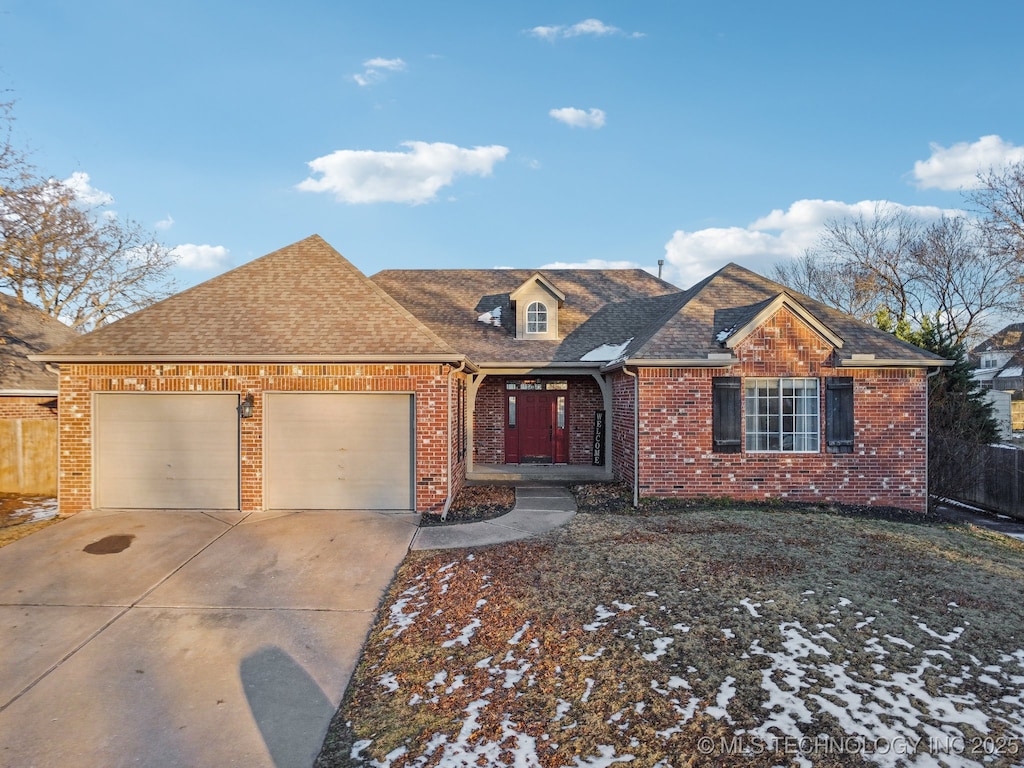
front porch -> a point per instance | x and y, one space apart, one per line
538 473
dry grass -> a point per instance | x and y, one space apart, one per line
16 521
648 635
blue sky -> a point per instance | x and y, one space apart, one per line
519 134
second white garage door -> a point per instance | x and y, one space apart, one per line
339 451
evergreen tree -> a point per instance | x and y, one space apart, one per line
960 419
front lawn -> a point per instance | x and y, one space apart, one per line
722 636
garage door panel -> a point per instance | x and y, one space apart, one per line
163 451
339 451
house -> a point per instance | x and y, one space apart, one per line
28 398
296 382
999 360
999 368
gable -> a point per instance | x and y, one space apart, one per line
783 344
722 311
302 301
751 319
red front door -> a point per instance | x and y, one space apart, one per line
535 431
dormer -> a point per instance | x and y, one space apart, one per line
536 308
995 358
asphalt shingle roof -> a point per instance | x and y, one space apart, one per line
448 301
735 295
304 300
26 330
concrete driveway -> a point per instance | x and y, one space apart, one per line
186 638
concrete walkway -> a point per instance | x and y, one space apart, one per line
539 508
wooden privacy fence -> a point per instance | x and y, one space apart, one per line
28 457
998 481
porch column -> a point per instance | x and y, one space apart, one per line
606 396
475 380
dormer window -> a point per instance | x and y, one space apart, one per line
535 306
537 318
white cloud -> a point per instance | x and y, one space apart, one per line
592 264
165 223
958 166
375 70
85 192
579 118
692 256
192 256
416 176
594 27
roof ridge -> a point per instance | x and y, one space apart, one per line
658 323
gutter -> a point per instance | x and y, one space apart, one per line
636 435
28 393
229 358
894 363
724 361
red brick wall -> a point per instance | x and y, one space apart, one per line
489 422
887 468
429 383
623 427
25 407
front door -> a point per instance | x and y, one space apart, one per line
535 430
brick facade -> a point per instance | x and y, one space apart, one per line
433 388
34 408
623 427
888 466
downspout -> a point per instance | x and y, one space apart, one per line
927 435
451 497
636 435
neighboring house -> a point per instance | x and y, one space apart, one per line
28 398
296 382
999 366
999 360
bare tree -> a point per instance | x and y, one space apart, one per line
999 198
896 271
831 280
74 261
961 281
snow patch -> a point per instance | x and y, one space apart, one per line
606 352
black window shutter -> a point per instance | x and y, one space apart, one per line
839 414
726 417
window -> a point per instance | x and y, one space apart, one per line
537 318
536 384
782 415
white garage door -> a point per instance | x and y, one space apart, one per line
339 451
164 451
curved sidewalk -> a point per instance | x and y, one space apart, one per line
538 509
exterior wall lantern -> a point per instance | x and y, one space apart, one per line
245 407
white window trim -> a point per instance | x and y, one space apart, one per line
530 310
779 433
